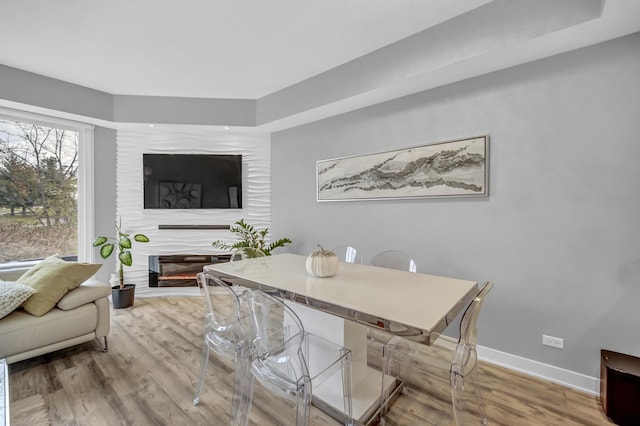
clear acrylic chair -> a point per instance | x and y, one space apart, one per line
394 259
420 367
251 256
224 332
292 363
348 254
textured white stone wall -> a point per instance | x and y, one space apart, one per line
133 141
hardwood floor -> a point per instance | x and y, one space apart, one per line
149 374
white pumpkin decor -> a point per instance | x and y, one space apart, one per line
322 263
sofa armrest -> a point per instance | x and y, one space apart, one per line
89 291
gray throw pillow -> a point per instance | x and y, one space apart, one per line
13 295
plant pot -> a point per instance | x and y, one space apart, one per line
123 298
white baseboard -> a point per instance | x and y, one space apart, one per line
571 379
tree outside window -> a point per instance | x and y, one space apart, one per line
38 191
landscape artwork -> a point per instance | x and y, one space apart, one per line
448 169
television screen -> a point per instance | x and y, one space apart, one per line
192 181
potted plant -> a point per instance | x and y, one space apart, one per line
250 238
122 296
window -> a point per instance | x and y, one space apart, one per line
45 205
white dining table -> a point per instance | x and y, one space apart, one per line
341 308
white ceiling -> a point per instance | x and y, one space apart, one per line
249 48
204 48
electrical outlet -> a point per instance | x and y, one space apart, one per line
554 342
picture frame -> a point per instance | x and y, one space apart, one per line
454 168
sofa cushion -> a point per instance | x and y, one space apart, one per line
87 292
21 332
13 295
53 278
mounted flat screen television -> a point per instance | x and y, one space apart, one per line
192 181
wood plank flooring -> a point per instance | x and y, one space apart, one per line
149 374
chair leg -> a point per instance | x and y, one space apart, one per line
387 361
303 402
473 376
459 389
346 387
243 385
203 371
457 398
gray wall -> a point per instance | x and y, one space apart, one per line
488 28
559 234
37 90
174 110
34 89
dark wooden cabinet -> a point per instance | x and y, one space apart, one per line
620 387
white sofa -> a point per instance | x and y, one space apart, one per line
80 316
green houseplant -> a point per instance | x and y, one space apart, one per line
250 238
122 244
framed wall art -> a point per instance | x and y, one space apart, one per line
457 168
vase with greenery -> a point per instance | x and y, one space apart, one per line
250 238
122 244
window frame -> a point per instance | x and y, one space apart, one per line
86 203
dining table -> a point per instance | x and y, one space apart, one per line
343 307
